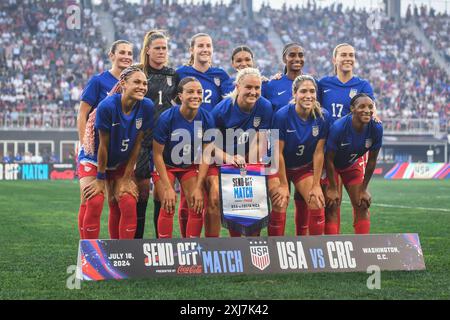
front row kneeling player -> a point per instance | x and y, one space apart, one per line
303 128
114 144
174 127
351 137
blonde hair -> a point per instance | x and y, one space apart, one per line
240 75
335 51
192 44
317 110
148 39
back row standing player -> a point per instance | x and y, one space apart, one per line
215 84
97 88
335 94
162 84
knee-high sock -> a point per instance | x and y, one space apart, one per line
363 225
81 214
113 219
331 227
91 223
165 224
141 208
183 214
301 217
277 221
127 225
316 221
194 224
156 212
234 233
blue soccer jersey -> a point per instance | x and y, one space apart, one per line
335 96
228 115
123 129
215 84
300 137
348 144
278 92
182 137
98 88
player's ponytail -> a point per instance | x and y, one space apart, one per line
149 37
317 109
240 76
192 44
89 134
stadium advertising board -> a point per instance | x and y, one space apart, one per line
36 171
406 170
128 259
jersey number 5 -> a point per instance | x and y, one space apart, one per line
125 145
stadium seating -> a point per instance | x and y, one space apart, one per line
44 65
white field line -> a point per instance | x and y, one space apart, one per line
403 207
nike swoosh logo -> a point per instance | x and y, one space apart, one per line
91 230
115 124
289 131
130 230
326 90
344 144
280 93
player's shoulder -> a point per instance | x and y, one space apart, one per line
327 80
376 126
181 70
341 123
264 103
283 112
223 105
168 71
168 114
147 103
109 101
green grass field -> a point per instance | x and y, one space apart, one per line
39 241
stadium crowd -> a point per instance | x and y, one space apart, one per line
44 66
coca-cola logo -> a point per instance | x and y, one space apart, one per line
190 269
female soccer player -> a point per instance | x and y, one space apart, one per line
162 84
245 109
279 92
98 87
188 122
215 84
114 144
351 137
335 93
303 128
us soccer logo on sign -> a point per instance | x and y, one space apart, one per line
138 123
260 255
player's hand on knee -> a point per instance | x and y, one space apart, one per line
197 200
169 200
365 200
128 186
332 197
94 188
316 197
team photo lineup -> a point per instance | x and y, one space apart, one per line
224 150
130 114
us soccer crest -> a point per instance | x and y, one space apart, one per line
138 123
169 81
368 143
217 81
259 252
315 131
353 92
256 122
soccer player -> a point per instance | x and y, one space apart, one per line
351 137
303 128
114 142
279 92
162 84
245 109
335 93
186 121
215 84
98 87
